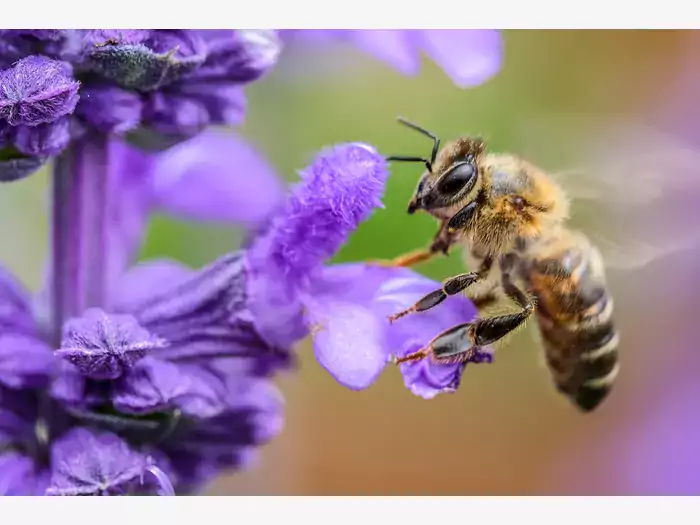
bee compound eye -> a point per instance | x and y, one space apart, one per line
457 178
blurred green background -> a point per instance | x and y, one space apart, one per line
505 431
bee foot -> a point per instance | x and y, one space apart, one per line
399 315
415 356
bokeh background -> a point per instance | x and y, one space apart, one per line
505 431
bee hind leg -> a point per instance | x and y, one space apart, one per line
452 346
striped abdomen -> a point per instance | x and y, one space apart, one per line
574 313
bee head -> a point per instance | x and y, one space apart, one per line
451 174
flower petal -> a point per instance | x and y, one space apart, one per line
348 337
136 286
240 56
105 346
174 114
37 90
216 176
75 391
424 378
19 476
469 57
25 360
156 386
44 140
129 210
19 410
15 306
15 167
353 340
340 189
224 102
396 47
254 415
93 464
110 109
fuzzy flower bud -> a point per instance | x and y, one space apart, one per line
37 90
105 346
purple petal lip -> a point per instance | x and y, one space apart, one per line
347 311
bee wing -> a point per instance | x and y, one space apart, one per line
634 189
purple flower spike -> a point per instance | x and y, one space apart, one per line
43 140
105 346
91 464
353 340
37 90
154 386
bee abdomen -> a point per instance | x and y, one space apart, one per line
583 355
575 317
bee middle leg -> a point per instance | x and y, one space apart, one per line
462 343
451 286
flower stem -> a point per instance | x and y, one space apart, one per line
79 230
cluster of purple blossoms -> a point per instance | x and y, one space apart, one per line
155 86
123 378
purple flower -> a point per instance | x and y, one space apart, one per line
354 341
162 372
97 464
18 476
105 346
119 375
156 385
469 57
37 90
43 140
291 293
253 415
157 87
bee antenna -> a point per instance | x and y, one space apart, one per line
422 130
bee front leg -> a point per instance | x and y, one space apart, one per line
441 244
451 286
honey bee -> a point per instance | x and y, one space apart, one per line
512 221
